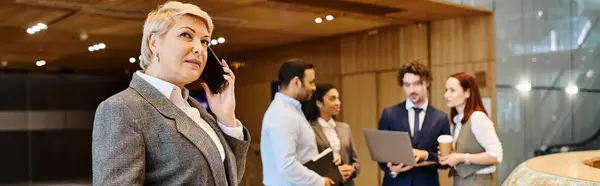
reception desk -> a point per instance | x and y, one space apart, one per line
572 168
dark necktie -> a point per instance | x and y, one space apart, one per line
416 124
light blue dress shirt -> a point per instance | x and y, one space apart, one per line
287 142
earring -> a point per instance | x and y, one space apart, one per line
155 58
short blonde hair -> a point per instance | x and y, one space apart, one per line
159 22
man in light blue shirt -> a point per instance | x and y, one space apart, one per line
287 139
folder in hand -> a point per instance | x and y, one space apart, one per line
323 165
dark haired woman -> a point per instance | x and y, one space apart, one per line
320 111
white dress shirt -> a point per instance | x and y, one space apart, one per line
411 115
287 142
331 135
179 97
483 130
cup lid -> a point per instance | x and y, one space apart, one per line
445 139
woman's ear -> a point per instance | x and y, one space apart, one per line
319 104
154 40
468 93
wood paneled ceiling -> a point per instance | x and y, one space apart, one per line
245 24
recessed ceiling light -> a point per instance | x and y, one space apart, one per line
221 40
214 42
318 20
132 60
42 26
329 17
40 63
97 47
37 28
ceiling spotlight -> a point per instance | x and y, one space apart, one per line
221 40
37 28
132 60
318 20
572 89
329 17
40 63
97 47
42 26
524 87
214 42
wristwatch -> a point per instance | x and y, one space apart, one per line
468 159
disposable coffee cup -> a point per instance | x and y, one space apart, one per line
445 142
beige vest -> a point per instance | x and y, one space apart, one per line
467 143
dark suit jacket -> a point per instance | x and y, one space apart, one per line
347 150
142 138
436 123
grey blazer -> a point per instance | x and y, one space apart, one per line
141 138
347 150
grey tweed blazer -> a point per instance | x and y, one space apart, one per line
141 138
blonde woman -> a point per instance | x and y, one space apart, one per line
153 133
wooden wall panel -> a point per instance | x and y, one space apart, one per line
469 39
389 92
263 65
384 50
253 97
360 111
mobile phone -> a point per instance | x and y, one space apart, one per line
213 73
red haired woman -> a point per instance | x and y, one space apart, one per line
477 148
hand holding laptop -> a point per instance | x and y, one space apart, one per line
419 156
400 152
395 169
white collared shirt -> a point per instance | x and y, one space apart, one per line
287 141
411 115
483 130
179 97
331 135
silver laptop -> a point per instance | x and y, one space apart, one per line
390 146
